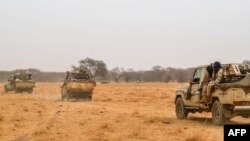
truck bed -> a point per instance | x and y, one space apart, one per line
25 84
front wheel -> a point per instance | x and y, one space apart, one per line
5 89
89 97
180 110
245 116
218 117
16 90
30 91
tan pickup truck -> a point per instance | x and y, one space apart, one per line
231 98
20 86
77 87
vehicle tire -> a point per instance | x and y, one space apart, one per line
218 114
245 116
5 89
16 90
181 112
65 95
30 91
89 98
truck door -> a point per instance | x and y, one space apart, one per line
195 88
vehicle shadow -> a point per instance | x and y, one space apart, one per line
16 93
79 100
208 121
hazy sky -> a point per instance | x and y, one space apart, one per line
51 35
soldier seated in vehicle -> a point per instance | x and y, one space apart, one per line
12 79
66 78
206 81
83 75
23 76
216 80
28 75
78 75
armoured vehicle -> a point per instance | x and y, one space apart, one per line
20 82
77 84
229 99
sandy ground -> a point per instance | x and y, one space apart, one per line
118 112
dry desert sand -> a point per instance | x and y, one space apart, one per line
118 112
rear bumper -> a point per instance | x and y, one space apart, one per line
79 91
242 108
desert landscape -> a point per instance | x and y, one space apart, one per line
118 112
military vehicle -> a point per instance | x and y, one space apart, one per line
229 99
77 84
20 82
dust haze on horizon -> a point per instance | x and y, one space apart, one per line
52 35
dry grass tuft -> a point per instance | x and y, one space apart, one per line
137 133
196 137
1 118
152 119
1 131
107 126
179 129
136 114
39 132
22 138
107 100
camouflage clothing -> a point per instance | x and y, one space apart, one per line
216 81
218 77
207 79
78 75
22 76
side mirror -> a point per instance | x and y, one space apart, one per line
194 81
